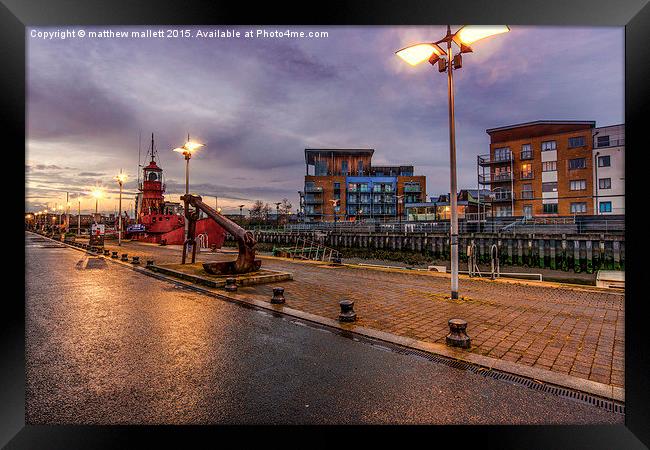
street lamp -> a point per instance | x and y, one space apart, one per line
241 214
97 193
186 150
121 179
433 53
277 214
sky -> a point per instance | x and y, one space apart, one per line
257 103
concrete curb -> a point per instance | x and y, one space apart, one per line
546 376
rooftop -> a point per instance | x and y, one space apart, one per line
591 123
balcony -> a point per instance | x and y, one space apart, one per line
526 175
486 160
412 188
527 154
313 189
527 195
502 196
495 178
609 143
311 200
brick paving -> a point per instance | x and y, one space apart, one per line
575 331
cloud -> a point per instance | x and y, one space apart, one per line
257 104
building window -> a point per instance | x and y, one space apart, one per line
577 185
548 146
502 154
602 141
605 183
550 208
578 163
577 208
360 168
527 191
526 152
528 211
549 187
604 161
549 166
503 211
605 207
578 141
321 168
344 167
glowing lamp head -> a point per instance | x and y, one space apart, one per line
188 148
97 193
415 54
469 34
121 177
219 210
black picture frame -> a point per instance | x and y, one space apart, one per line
634 15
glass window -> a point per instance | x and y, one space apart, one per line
605 207
337 185
526 151
548 145
602 141
578 163
502 154
550 208
605 183
578 208
577 185
604 161
321 168
578 141
344 167
549 166
360 167
528 211
549 187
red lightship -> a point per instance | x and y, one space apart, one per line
162 222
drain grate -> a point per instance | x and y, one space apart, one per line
599 402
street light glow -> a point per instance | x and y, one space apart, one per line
415 54
469 34
97 193
121 177
188 148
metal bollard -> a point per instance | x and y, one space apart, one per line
457 336
114 255
231 285
125 257
278 296
149 262
347 311
107 252
135 260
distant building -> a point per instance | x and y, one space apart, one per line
342 184
548 168
439 208
609 169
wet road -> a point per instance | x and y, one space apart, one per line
106 345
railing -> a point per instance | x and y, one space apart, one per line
487 159
314 189
313 200
502 196
494 177
309 249
610 143
526 175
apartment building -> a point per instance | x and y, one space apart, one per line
342 184
541 168
609 169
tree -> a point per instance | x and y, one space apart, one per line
285 206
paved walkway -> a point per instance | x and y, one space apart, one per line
571 330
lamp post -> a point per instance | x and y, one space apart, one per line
241 214
78 216
121 179
277 214
97 193
186 150
447 62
